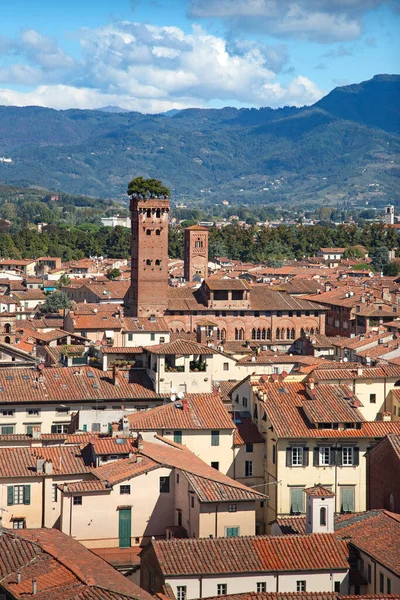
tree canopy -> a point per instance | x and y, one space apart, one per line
54 302
147 188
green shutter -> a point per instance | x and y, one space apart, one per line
178 437
10 495
125 528
347 500
54 429
297 500
27 494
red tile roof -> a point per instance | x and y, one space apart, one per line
205 411
246 432
183 347
72 384
381 372
21 461
98 322
320 491
251 554
143 324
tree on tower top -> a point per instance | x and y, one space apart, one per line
147 188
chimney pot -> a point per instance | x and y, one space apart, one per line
34 586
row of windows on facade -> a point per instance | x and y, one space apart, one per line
346 456
261 586
297 504
149 262
368 573
249 313
150 231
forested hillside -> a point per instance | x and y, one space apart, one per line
344 147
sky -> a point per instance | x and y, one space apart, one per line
156 55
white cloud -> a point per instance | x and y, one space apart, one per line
318 20
152 69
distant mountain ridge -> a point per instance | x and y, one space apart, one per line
345 146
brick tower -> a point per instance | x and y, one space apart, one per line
196 252
148 292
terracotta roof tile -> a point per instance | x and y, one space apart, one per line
320 491
251 554
247 432
21 461
183 347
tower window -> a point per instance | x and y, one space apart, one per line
148 213
158 262
158 213
148 231
158 232
322 516
148 262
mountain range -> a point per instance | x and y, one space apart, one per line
344 147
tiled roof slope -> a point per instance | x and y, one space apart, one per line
247 432
377 533
379 372
62 567
205 411
332 404
125 468
21 461
304 596
394 441
72 384
251 554
185 347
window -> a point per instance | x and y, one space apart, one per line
77 501
300 586
372 398
179 518
178 437
221 589
7 413
54 492
148 231
177 478
324 456
297 456
232 507
59 428
130 337
226 366
215 465
336 587
18 494
152 337
124 489
33 412
388 586
62 410
381 583
261 587
192 501
274 454
215 438
18 524
249 447
7 429
347 456
369 573
181 592
248 468
347 499
164 485
322 516
296 500
244 401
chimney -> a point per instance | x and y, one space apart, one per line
39 464
34 586
139 442
386 416
115 375
18 577
139 459
359 371
48 467
185 405
311 383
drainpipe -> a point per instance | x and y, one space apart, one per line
70 515
201 586
43 501
216 520
384 392
336 483
277 581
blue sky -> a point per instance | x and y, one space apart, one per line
155 55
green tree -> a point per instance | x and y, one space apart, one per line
64 281
148 188
55 302
353 252
392 269
113 273
380 258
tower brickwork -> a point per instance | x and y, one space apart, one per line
196 252
148 293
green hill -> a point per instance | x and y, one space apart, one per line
345 147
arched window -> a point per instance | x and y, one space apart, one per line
7 340
158 262
148 213
158 232
288 337
282 333
158 213
268 334
148 231
278 334
302 332
258 333
263 333
7 328
322 516
253 334
293 334
148 262
397 383
239 333
317 330
312 331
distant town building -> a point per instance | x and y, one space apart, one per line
116 221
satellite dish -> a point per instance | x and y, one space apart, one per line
345 359
173 397
180 395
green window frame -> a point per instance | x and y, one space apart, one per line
178 437
232 532
347 497
14 494
296 500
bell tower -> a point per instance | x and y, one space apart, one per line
148 292
196 252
